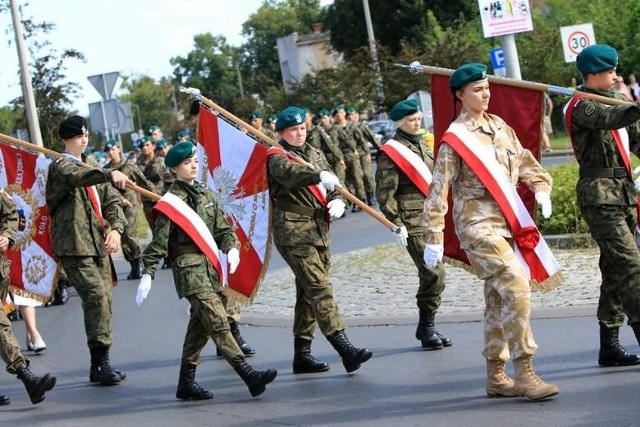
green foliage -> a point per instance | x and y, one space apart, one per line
566 216
8 118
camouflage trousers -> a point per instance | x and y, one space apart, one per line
431 285
612 228
507 297
9 347
353 177
314 294
232 307
337 168
147 205
367 173
129 241
91 276
208 319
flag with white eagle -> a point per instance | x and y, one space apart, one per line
33 266
234 166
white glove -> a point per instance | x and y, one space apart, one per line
336 208
401 236
636 182
143 288
544 200
433 254
233 257
329 181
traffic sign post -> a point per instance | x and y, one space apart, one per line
575 38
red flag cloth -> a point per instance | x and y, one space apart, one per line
520 108
234 166
33 266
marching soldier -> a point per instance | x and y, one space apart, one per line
364 156
401 190
329 146
130 202
607 196
10 352
152 167
86 224
302 208
196 279
256 120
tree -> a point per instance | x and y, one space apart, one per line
53 94
8 119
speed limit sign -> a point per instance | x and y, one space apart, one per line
575 38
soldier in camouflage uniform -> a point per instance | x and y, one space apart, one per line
364 155
152 167
485 235
256 120
607 197
84 232
402 202
349 146
196 279
301 234
329 146
10 352
130 202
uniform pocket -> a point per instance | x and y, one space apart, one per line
189 260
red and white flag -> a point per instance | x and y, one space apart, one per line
234 166
34 268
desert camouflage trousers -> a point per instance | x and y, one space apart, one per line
9 347
431 286
612 228
208 319
507 297
91 276
314 294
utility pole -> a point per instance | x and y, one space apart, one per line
374 53
25 77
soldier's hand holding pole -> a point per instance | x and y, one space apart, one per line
336 208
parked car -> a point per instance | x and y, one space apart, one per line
382 130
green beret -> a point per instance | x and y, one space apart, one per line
597 58
403 109
179 152
290 116
161 143
272 118
110 144
467 73
323 113
182 133
72 126
336 109
152 129
350 110
255 115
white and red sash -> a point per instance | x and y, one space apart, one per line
190 222
318 191
531 249
409 163
620 136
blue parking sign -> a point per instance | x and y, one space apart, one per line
497 58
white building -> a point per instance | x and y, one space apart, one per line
300 55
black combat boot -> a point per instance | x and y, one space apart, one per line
166 263
612 353
255 380
188 388
36 386
303 361
136 270
426 331
636 331
4 400
235 331
352 357
371 199
101 370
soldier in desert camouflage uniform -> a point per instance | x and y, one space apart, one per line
84 231
10 352
486 237
300 228
607 197
196 279
402 202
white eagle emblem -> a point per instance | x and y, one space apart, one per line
225 184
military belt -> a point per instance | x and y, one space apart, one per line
184 249
300 209
618 172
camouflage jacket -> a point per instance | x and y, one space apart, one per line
134 174
192 272
475 212
8 229
319 139
596 149
345 140
298 217
368 134
400 200
154 171
358 137
75 228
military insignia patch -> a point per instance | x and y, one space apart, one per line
589 109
